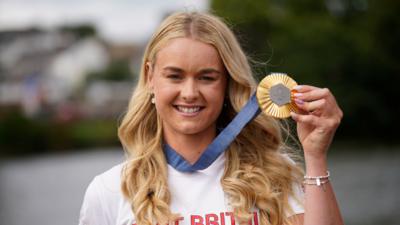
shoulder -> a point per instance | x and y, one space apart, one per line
110 180
107 184
102 198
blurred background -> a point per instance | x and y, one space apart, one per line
67 69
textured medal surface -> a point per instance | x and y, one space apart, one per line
274 95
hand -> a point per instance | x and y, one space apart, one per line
317 120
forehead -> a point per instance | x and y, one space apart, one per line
188 53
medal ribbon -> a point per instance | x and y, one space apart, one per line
219 144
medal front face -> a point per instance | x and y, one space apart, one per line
274 95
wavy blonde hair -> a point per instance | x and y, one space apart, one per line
257 174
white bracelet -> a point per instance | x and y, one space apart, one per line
318 177
318 180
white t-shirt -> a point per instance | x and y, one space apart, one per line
198 197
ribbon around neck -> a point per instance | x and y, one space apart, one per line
219 144
273 96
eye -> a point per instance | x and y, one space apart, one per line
174 76
207 78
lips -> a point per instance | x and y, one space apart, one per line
188 109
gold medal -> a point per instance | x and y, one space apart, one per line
275 95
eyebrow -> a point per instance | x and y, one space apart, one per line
174 69
202 71
209 70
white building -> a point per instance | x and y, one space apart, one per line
37 66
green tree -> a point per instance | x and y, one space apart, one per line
117 70
80 31
350 46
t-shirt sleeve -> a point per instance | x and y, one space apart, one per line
92 211
296 201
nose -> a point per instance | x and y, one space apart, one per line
189 91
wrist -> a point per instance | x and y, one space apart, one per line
316 166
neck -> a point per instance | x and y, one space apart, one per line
190 146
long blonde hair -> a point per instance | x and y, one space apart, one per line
256 172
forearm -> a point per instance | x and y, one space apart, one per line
321 207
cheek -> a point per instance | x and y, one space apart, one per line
164 94
219 91
216 96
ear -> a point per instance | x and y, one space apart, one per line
149 74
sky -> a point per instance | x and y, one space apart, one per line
119 21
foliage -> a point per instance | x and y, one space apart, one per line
117 70
350 46
80 31
20 135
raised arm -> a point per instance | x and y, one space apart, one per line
316 126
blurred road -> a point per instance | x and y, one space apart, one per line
48 190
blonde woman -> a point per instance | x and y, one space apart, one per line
194 80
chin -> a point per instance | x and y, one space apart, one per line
190 130
193 129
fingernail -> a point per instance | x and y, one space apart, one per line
299 101
297 94
298 87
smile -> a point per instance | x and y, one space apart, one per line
185 109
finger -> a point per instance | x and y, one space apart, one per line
321 125
301 111
314 94
311 106
308 119
304 88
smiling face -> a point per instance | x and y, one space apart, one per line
188 80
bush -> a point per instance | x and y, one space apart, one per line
22 136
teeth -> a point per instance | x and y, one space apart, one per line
188 109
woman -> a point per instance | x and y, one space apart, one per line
194 79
